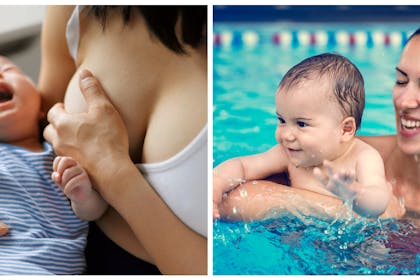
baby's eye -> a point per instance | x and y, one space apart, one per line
8 68
281 120
301 123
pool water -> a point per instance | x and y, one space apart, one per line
287 245
248 64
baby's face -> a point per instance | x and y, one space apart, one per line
309 123
19 103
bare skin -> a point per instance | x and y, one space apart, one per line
156 97
400 153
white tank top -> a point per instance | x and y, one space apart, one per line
181 181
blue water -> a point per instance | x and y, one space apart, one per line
245 79
289 246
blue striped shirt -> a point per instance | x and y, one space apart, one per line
45 236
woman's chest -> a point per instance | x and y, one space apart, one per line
132 100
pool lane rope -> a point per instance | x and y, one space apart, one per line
311 38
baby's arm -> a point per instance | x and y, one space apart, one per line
87 204
366 186
373 191
231 173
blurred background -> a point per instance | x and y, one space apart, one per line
20 28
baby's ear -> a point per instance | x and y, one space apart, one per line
348 128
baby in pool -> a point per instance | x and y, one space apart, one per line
319 106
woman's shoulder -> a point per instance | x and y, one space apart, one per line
383 144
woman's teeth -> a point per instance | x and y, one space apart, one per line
409 124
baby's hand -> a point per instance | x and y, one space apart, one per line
71 178
338 182
217 195
217 199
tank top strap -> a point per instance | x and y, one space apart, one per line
73 32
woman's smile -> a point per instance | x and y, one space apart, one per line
409 126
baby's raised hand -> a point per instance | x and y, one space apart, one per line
71 178
339 182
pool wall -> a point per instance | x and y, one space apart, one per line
313 13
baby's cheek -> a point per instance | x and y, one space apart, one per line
277 135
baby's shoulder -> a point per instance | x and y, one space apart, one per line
365 151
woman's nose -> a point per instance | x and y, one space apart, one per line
410 98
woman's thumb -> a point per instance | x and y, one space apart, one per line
90 87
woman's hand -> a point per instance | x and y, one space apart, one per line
96 138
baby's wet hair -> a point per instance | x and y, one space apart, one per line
346 81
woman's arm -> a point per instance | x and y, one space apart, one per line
233 172
98 141
266 199
57 66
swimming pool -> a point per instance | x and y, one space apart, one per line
249 60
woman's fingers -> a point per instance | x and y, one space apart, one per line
92 89
50 134
56 113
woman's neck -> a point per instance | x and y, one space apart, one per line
403 172
405 167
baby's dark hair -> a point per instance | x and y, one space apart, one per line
346 81
161 21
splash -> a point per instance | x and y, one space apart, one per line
286 245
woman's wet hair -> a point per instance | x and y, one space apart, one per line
417 32
161 21
345 79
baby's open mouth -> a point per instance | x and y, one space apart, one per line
5 96
6 93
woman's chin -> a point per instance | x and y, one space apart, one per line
409 146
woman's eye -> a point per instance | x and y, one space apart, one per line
281 120
301 124
399 83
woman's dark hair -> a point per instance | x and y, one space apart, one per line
161 21
417 32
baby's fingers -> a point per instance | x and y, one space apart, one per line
216 214
70 173
56 162
328 167
64 163
346 176
321 176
